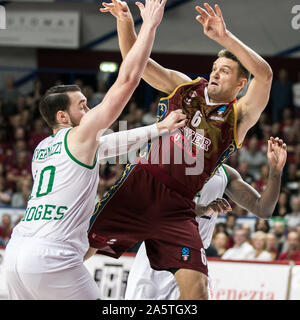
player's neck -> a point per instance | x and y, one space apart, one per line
61 126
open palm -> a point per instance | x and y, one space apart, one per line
117 8
276 153
213 23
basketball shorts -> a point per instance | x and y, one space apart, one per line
139 207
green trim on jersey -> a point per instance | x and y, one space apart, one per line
225 173
73 158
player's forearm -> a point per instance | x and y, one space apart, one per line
135 61
126 35
266 204
253 62
122 142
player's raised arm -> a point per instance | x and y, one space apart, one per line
104 114
254 102
163 79
246 196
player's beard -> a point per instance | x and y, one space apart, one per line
74 122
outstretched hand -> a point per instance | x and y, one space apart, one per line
118 9
213 23
276 154
152 12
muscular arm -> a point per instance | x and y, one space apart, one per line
254 102
83 138
247 197
160 78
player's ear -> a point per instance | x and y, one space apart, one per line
62 117
242 82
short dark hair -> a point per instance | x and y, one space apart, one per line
242 71
54 100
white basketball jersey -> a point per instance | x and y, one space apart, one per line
146 283
212 190
63 195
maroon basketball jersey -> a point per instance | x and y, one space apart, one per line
187 159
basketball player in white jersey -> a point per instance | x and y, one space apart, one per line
44 258
146 283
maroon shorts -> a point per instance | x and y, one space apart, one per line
140 207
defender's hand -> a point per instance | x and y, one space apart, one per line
175 120
152 12
213 22
219 206
276 154
118 9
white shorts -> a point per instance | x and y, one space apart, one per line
40 272
144 283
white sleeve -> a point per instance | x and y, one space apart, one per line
122 142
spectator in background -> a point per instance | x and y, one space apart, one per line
20 198
20 169
281 95
242 249
150 116
100 93
293 246
296 95
253 156
5 228
279 232
9 94
220 242
248 231
243 169
291 180
5 194
261 183
281 208
230 227
259 243
293 218
40 131
262 225
272 245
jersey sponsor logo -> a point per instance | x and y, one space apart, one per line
185 254
41 154
197 138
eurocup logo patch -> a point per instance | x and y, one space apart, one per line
221 110
185 254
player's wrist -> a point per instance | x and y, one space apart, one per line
275 173
162 128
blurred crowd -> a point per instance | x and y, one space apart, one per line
21 129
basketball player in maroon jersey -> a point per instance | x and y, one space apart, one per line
153 200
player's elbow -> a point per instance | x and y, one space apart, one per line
266 75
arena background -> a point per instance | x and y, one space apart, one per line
48 42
